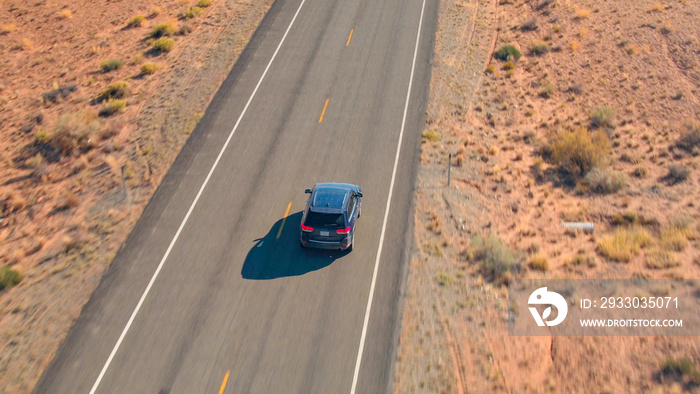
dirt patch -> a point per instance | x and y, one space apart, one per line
585 117
92 116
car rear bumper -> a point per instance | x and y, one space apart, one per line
332 245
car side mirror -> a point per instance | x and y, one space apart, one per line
307 191
359 194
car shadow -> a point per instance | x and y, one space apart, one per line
274 257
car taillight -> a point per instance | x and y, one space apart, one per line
306 228
343 230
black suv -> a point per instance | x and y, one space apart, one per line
330 216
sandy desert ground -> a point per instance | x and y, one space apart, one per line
596 120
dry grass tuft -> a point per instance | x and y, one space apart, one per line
690 136
656 7
582 13
660 259
579 151
496 258
135 21
624 244
431 135
193 12
164 44
603 181
539 263
435 224
65 14
684 370
9 277
149 68
164 29
677 174
603 116
113 106
111 65
539 48
7 28
116 90
507 52
674 238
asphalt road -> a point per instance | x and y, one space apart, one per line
237 303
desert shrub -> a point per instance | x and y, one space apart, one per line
677 174
507 52
42 137
112 107
164 44
56 95
74 131
135 21
660 259
490 69
684 369
509 66
628 218
604 181
495 257
116 90
582 13
624 244
34 161
193 12
582 259
184 30
674 238
149 68
204 3
111 65
529 25
603 116
690 136
576 88
163 30
539 48
431 135
539 263
547 91
640 172
9 277
578 152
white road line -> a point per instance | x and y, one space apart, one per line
189 211
386 212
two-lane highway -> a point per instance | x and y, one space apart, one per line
212 290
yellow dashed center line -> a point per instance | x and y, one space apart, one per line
324 112
223 384
348 43
279 233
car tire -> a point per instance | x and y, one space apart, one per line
352 244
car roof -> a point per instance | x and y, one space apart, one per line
329 198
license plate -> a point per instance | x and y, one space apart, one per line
325 233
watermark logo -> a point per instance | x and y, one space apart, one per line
543 297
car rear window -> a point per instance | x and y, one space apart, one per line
329 198
316 219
